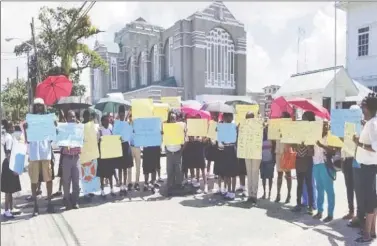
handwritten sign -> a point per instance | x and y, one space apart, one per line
147 132
142 108
161 112
89 150
174 134
197 127
274 128
340 116
17 157
226 132
212 134
174 102
242 110
123 129
349 132
70 135
250 139
111 147
40 127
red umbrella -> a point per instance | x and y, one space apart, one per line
278 106
53 88
309 105
191 112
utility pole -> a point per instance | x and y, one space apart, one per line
17 73
333 100
33 87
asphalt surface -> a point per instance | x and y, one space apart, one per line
143 218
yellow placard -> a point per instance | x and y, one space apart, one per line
298 132
89 150
274 128
142 108
212 133
241 111
111 147
349 145
250 139
334 141
313 132
161 112
174 134
197 127
174 102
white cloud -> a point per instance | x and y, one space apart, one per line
263 67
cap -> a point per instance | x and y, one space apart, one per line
39 101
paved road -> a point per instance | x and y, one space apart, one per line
146 219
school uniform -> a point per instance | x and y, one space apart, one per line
151 159
193 155
227 160
10 182
105 167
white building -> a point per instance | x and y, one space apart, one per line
269 92
361 58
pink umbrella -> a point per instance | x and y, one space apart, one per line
191 112
278 106
309 105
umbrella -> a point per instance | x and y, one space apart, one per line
310 105
218 107
192 104
191 112
72 102
278 106
240 102
53 88
111 104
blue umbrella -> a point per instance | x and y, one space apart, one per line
111 104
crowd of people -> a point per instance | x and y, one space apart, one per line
191 162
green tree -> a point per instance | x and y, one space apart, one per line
14 98
60 45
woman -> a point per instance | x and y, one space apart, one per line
267 164
105 166
10 181
366 155
324 176
151 162
125 162
304 169
136 155
211 148
279 150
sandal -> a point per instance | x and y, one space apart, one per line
361 233
362 240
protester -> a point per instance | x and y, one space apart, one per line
136 155
211 148
366 155
10 181
40 161
267 166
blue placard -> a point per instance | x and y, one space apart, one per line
70 135
18 157
147 132
340 116
123 129
40 127
227 132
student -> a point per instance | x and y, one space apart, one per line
70 163
279 150
267 164
105 167
10 181
324 176
174 161
210 151
125 162
40 161
366 155
151 161
136 155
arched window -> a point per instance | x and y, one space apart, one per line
132 72
114 75
219 59
156 67
169 57
143 69
96 84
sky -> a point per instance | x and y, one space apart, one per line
273 50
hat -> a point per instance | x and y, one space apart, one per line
355 107
39 101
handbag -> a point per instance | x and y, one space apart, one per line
288 159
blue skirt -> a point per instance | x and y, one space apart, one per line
267 169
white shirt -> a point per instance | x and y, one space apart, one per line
175 148
319 153
8 141
368 136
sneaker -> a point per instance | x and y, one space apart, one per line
328 219
15 211
318 216
296 209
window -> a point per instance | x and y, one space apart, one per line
131 72
373 88
363 42
114 82
219 60
170 56
97 84
156 63
143 69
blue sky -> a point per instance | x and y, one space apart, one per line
272 32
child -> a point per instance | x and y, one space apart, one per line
267 165
10 181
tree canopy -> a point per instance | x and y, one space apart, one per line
60 45
14 98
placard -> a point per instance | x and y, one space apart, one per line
212 134
123 129
142 108
17 157
226 132
174 134
242 110
349 145
70 135
89 150
111 147
40 127
147 132
340 116
161 112
250 139
197 127
274 128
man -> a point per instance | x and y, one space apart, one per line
39 161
